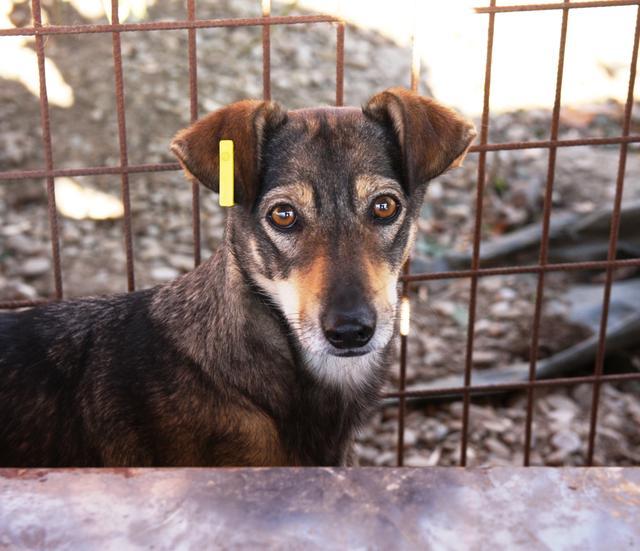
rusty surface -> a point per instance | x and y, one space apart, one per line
406 269
193 108
168 25
266 52
88 171
321 508
122 142
544 240
402 379
340 64
516 385
163 167
613 242
526 269
558 6
475 260
47 145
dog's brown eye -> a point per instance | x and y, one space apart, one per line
385 208
283 216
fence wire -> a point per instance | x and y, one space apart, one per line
192 24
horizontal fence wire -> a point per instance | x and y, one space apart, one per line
458 274
467 390
169 25
557 6
162 167
529 269
479 389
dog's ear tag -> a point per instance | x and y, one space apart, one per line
226 173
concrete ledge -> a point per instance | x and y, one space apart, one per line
321 508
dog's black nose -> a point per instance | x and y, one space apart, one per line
350 328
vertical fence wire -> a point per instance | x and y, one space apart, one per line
122 140
193 100
45 123
613 245
415 52
544 240
402 383
402 379
340 63
266 52
475 263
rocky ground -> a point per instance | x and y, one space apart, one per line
303 57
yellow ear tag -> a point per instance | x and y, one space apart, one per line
226 173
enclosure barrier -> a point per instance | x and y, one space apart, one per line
320 508
191 24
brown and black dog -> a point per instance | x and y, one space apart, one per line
273 351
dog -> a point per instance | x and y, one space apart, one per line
273 352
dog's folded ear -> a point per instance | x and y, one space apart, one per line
432 137
246 123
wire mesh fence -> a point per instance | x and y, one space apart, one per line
191 24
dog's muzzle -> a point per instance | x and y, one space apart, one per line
349 328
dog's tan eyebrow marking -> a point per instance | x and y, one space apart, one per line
368 185
300 193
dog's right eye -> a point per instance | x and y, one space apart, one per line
283 217
385 208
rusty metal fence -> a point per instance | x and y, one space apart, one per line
191 24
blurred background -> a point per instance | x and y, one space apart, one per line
451 44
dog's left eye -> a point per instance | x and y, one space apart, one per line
385 208
283 216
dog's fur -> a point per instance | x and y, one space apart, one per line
228 364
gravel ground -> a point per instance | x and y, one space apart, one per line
303 57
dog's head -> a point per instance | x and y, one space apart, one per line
328 200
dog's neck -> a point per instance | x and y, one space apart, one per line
217 315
